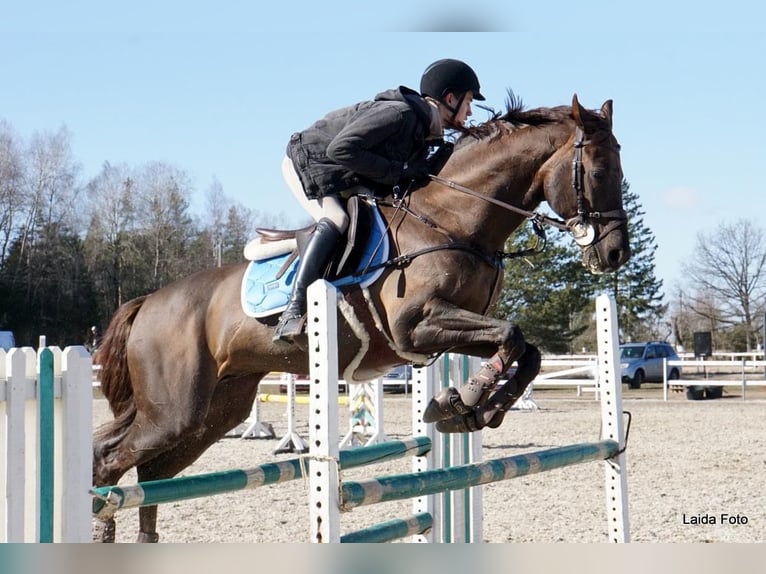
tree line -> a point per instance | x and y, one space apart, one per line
73 250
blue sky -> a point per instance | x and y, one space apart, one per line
216 89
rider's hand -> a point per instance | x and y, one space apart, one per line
440 157
417 171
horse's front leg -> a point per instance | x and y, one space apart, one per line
474 405
491 408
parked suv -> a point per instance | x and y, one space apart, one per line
642 362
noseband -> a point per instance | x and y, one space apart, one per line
581 226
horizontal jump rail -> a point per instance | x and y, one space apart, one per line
109 499
299 400
392 529
398 487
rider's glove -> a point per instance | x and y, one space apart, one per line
440 157
416 171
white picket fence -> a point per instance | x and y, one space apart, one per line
46 445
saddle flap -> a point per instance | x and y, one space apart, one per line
360 224
267 283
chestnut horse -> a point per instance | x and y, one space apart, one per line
181 366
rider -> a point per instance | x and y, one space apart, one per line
384 142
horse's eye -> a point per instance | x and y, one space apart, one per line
598 173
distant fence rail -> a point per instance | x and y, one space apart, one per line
741 373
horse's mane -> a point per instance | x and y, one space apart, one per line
515 116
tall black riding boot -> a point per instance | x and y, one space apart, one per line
320 248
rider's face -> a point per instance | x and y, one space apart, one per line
463 112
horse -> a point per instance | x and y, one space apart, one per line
181 366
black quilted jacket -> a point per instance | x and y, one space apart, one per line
367 143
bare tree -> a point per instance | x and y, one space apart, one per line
51 180
163 200
689 315
109 239
49 188
229 225
216 206
728 276
11 186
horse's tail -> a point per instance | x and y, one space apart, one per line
112 356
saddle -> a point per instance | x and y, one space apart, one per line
274 256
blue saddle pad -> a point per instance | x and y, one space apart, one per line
264 295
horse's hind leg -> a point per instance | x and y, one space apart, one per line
230 405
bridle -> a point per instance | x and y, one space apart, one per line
581 226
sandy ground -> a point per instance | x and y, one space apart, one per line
688 462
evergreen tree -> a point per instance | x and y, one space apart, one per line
49 290
636 289
552 298
546 294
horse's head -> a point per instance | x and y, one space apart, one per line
583 184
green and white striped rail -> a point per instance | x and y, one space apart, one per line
403 486
392 529
109 499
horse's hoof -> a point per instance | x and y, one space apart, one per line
460 424
104 530
445 405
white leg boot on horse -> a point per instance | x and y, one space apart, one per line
451 402
487 410
313 261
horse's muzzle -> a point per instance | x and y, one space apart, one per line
603 257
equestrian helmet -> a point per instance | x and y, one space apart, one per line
448 75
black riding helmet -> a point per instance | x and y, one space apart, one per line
448 75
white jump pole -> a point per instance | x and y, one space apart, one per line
612 422
324 476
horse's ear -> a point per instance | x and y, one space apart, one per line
606 111
588 120
578 112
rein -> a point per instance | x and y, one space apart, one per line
580 226
493 259
533 215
